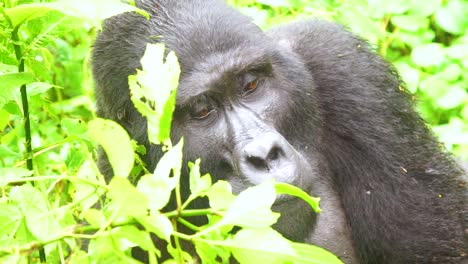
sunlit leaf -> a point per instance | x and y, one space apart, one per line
10 82
115 142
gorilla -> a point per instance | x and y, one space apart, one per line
307 103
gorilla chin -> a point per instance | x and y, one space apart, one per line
307 103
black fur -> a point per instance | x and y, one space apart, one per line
328 115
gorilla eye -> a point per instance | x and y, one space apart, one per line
202 113
250 86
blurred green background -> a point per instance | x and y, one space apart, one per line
427 40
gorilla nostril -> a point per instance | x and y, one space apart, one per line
274 154
257 162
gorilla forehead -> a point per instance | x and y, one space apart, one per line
218 71
201 32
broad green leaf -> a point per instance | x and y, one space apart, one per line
198 184
41 222
458 51
220 195
360 23
124 200
275 3
7 152
4 120
130 236
261 246
9 174
434 86
410 22
115 142
94 217
418 38
455 96
35 88
464 112
10 82
452 17
73 126
158 224
22 13
452 133
110 248
424 8
6 68
206 252
380 8
153 90
157 190
10 216
86 194
310 254
252 208
157 187
427 55
284 188
95 11
451 73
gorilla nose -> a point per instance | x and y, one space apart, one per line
267 157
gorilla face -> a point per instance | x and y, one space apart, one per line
237 110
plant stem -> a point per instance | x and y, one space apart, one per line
27 122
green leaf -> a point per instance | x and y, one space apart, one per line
284 188
451 72
455 95
123 200
310 254
22 13
4 120
157 190
220 195
35 88
95 217
10 82
10 217
73 126
153 90
411 23
41 222
458 51
453 17
434 86
111 247
198 184
252 208
275 3
10 174
115 142
424 8
261 246
94 11
157 187
380 8
428 55
159 224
